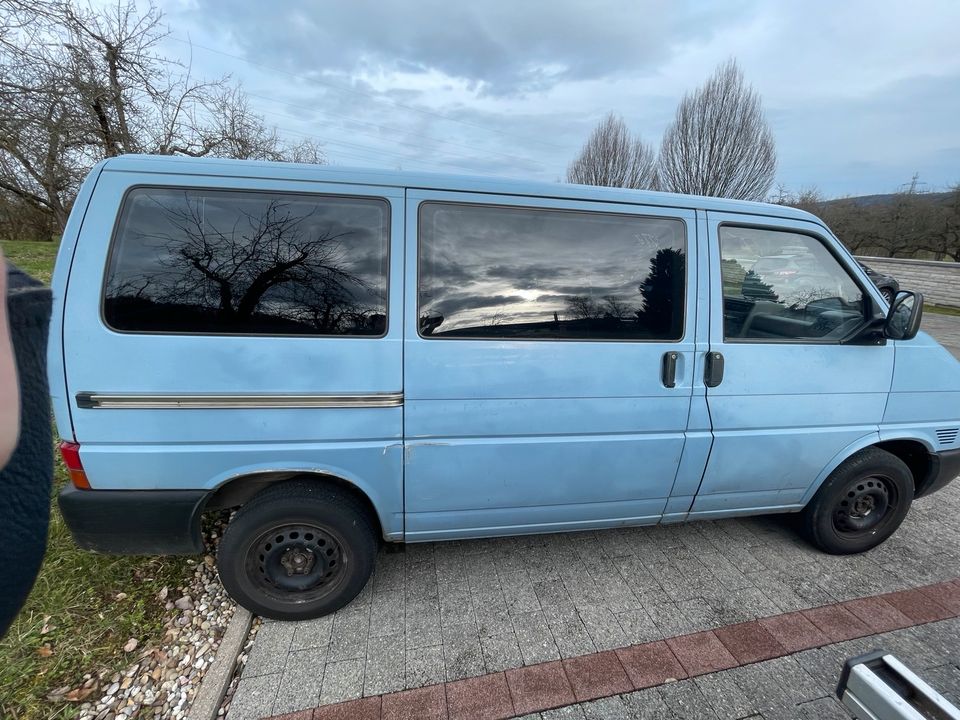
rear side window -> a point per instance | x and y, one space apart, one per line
531 273
237 262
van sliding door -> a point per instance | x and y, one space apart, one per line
548 363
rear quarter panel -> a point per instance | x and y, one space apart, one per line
203 448
56 369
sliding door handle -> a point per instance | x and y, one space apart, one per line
713 369
668 369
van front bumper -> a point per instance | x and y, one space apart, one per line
135 522
944 467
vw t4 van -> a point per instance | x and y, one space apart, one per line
349 357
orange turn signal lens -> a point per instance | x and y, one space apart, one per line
70 452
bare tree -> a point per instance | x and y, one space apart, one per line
615 307
719 143
79 83
944 239
613 157
270 260
908 223
582 307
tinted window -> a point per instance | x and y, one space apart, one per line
785 286
205 261
496 272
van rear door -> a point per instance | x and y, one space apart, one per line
786 397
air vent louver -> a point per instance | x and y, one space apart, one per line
947 436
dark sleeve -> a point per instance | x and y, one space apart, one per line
26 479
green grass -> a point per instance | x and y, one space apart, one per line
73 622
941 309
35 258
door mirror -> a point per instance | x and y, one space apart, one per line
903 320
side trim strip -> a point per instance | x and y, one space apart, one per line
94 400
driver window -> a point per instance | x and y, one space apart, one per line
784 286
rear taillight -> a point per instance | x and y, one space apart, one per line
70 452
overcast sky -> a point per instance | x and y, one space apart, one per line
860 95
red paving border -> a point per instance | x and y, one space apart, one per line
534 688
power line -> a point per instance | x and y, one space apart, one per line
364 93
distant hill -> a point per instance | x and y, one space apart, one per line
886 199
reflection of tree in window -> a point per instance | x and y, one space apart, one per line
535 273
756 289
615 308
264 265
582 307
662 292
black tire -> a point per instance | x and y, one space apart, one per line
888 294
297 550
860 505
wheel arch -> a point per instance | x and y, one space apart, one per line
913 451
238 489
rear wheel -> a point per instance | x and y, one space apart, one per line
861 504
297 550
888 294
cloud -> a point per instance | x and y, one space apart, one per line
500 47
860 95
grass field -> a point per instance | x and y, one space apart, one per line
35 258
941 309
76 620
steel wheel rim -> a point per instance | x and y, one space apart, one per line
865 505
296 562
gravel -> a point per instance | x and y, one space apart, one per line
163 679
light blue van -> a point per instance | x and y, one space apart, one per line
355 356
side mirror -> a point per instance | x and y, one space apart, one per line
903 320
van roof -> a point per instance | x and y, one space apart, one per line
182 165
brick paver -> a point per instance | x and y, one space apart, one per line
750 642
597 675
442 612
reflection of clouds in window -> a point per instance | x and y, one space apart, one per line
221 261
568 273
796 268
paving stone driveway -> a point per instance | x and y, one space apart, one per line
946 329
445 611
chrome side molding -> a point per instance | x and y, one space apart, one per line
96 400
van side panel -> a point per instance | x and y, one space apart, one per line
172 447
56 371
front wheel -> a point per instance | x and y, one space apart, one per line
861 504
296 551
888 294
